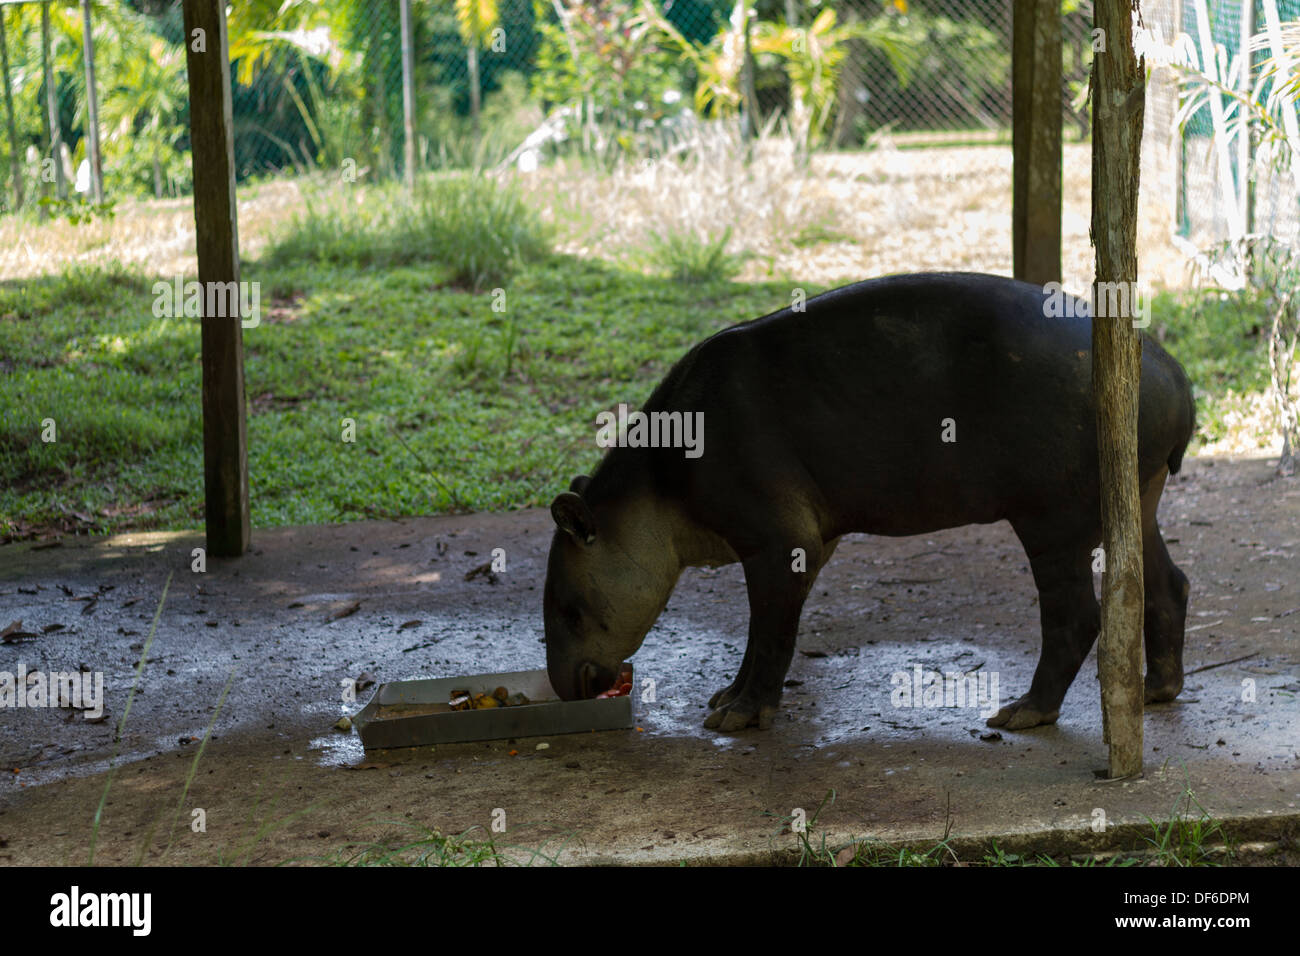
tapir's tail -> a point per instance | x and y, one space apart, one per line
1188 421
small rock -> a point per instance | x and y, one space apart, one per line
543 746
344 725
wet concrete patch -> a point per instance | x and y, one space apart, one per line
310 609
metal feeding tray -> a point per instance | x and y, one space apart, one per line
400 714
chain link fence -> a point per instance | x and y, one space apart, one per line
1216 185
320 86
315 83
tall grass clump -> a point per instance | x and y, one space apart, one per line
478 229
678 212
688 255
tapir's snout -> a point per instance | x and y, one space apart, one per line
580 682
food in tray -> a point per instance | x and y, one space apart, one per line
622 684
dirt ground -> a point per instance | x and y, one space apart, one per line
276 783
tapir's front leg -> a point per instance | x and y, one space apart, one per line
776 596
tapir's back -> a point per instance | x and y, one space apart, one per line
955 398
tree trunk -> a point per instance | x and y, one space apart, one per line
848 108
52 105
748 92
408 94
475 94
15 160
92 109
1118 97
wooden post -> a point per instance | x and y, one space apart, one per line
52 104
15 160
1036 141
92 110
1118 98
225 457
408 92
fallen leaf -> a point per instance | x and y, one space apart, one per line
346 612
14 633
482 570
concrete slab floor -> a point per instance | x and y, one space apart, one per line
276 783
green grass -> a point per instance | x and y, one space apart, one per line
462 400
1184 838
477 230
686 256
457 406
1221 339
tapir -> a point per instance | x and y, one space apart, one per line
896 406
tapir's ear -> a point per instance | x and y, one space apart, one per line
572 515
579 484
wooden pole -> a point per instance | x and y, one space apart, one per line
15 160
408 92
1036 84
52 103
225 453
1118 98
92 110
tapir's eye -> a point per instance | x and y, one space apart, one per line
572 616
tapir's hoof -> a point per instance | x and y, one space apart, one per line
724 696
739 713
1021 715
1158 692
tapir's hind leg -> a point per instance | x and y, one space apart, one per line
1165 610
1070 617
